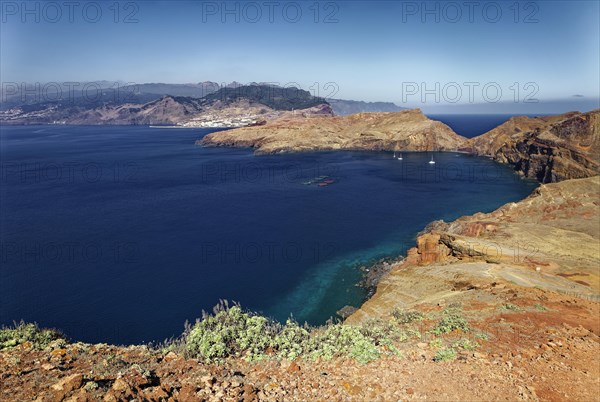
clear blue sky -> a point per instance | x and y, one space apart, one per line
371 52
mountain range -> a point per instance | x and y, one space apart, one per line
205 104
233 105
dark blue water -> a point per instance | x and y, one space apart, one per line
472 125
120 234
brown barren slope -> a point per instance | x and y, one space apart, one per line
408 130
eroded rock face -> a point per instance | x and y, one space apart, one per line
550 240
408 130
549 149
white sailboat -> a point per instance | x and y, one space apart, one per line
394 154
432 162
400 157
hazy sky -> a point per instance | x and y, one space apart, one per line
370 50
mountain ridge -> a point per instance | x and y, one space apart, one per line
262 102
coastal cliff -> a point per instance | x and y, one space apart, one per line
408 130
550 240
548 148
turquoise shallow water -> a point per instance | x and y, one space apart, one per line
120 234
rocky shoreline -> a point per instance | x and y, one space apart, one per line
371 276
492 306
373 273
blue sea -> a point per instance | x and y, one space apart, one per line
121 234
472 125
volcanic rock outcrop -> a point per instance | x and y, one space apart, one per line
548 148
550 240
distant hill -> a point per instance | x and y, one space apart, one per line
277 98
96 93
343 107
118 103
232 106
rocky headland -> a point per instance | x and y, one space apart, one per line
408 130
548 148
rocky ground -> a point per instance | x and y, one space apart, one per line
547 352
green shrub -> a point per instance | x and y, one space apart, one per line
466 344
452 320
230 332
339 340
444 355
22 333
292 341
509 307
407 316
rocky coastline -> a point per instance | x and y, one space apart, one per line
547 149
492 306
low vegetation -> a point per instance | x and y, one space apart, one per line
407 316
509 307
444 355
23 333
452 320
232 332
